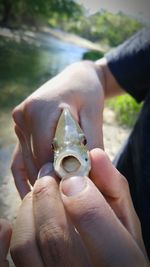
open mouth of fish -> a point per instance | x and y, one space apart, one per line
71 156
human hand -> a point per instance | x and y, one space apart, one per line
5 235
80 87
72 224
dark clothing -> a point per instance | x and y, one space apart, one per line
130 65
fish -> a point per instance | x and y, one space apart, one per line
71 155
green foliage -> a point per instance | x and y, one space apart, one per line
14 12
93 55
102 27
105 27
126 109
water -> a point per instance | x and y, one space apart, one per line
24 67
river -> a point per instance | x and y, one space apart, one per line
26 64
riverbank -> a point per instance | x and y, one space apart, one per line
41 37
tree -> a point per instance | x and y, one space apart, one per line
105 27
13 11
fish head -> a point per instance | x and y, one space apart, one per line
71 155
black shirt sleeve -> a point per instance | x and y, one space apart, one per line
130 64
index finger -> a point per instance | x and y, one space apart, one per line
59 243
24 249
19 172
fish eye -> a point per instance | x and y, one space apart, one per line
84 141
54 145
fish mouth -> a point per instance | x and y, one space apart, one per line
70 163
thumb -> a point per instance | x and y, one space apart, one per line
95 221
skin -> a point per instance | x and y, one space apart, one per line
5 236
105 235
80 87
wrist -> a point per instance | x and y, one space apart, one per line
93 67
110 84
101 70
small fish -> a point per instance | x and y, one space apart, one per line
71 156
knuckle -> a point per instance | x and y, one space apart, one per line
23 111
30 106
17 115
16 171
124 184
40 188
28 197
88 212
54 240
13 167
87 218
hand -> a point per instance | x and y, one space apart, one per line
5 235
79 86
72 224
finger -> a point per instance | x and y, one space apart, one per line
91 123
103 234
29 161
19 172
24 136
24 250
42 136
115 188
59 243
47 170
5 236
105 175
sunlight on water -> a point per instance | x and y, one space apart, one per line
24 67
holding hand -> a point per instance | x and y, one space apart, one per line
75 223
79 86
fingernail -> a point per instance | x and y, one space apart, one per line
73 185
45 170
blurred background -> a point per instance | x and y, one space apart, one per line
40 38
